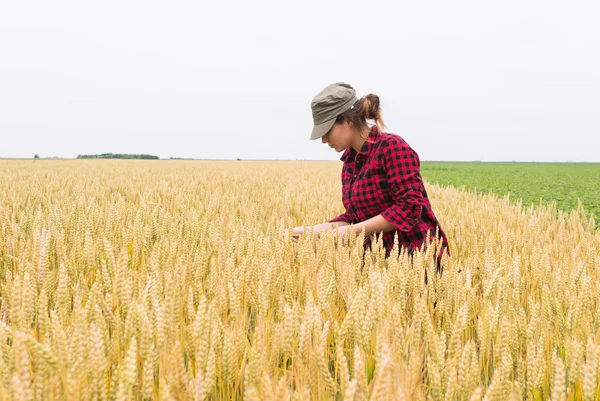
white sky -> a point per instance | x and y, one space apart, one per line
458 80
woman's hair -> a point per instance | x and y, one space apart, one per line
365 108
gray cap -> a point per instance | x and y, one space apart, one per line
328 104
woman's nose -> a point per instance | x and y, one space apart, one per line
323 139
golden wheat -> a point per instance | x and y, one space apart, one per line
169 280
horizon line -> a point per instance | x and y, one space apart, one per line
315 160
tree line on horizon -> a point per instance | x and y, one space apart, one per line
118 156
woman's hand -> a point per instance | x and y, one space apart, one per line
296 232
341 231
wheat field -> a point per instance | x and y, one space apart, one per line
170 280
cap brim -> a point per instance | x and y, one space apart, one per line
321 129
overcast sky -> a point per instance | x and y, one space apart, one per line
458 80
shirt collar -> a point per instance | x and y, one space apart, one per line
364 151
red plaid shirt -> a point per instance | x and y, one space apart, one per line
384 178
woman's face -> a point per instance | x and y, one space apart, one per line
339 137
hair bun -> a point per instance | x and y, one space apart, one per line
371 106
365 108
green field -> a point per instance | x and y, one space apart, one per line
564 183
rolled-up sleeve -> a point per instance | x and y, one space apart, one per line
405 184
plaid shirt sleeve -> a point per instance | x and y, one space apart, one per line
345 217
405 183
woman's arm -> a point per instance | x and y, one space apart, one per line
319 227
327 226
376 224
402 167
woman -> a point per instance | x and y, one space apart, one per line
383 192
